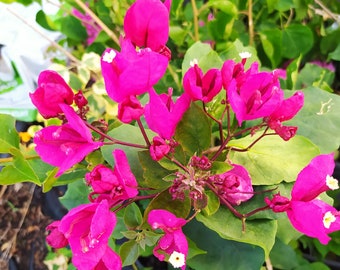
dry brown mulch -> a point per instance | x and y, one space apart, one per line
22 228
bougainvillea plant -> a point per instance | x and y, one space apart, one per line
222 154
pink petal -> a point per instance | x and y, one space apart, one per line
289 107
163 119
311 181
165 220
124 174
146 23
131 73
51 92
307 218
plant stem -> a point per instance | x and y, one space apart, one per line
137 198
219 122
111 34
256 211
254 142
113 140
327 11
143 132
195 15
177 163
225 202
10 159
250 22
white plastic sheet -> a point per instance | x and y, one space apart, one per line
22 57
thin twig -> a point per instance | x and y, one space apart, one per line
103 26
329 12
250 22
5 255
195 15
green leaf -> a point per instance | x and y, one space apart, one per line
219 167
50 180
151 237
272 45
279 5
197 51
164 201
237 47
258 232
296 39
193 132
313 266
194 250
318 120
228 7
293 73
283 256
19 171
129 252
132 216
153 172
43 20
178 34
212 205
9 137
285 230
128 134
268 165
73 29
71 176
76 194
314 75
335 55
221 253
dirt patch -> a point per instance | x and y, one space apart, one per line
22 227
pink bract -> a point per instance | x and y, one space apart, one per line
285 111
51 92
88 228
114 185
146 24
202 87
66 145
92 28
162 114
173 239
311 181
56 239
130 72
305 212
159 148
257 97
130 109
235 185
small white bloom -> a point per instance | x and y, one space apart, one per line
331 182
177 259
245 55
109 56
328 219
193 62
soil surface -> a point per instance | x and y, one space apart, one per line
22 227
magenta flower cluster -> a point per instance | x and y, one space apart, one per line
132 72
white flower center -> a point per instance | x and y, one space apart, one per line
109 56
328 219
177 259
245 55
193 62
331 182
